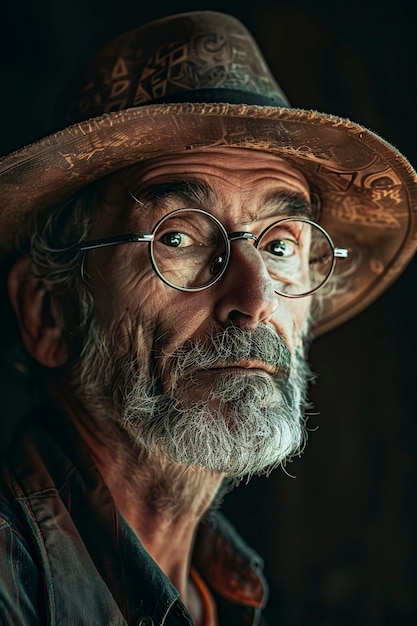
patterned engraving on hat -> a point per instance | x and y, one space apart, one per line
361 208
340 181
120 76
381 185
118 86
161 68
384 178
148 64
209 60
385 187
392 193
323 151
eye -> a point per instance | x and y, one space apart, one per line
282 247
176 240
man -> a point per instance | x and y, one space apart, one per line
171 248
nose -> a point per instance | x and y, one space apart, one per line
245 294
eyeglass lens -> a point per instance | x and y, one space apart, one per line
191 250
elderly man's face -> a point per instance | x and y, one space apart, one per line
213 377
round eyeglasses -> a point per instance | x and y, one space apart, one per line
190 251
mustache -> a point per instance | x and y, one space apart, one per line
232 346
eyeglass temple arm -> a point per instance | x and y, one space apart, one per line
341 253
114 241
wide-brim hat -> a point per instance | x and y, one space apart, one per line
198 80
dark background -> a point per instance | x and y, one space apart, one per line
338 535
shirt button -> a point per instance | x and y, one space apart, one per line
145 620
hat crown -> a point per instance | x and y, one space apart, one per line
200 56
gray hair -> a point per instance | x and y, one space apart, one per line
52 245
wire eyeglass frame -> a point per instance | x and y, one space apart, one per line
94 244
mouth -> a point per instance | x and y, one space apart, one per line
245 367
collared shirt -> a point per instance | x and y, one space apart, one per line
68 558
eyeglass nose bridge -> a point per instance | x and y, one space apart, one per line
220 263
241 234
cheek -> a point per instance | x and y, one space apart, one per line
301 317
181 316
141 313
291 317
121 287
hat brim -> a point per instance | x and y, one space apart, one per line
367 189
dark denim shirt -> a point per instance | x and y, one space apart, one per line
68 558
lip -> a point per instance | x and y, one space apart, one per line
242 371
242 367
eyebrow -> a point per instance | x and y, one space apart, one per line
288 204
192 193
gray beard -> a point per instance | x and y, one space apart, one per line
239 425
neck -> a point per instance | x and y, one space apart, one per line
162 501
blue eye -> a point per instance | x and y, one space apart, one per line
172 239
177 239
282 247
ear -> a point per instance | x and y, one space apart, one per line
38 314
